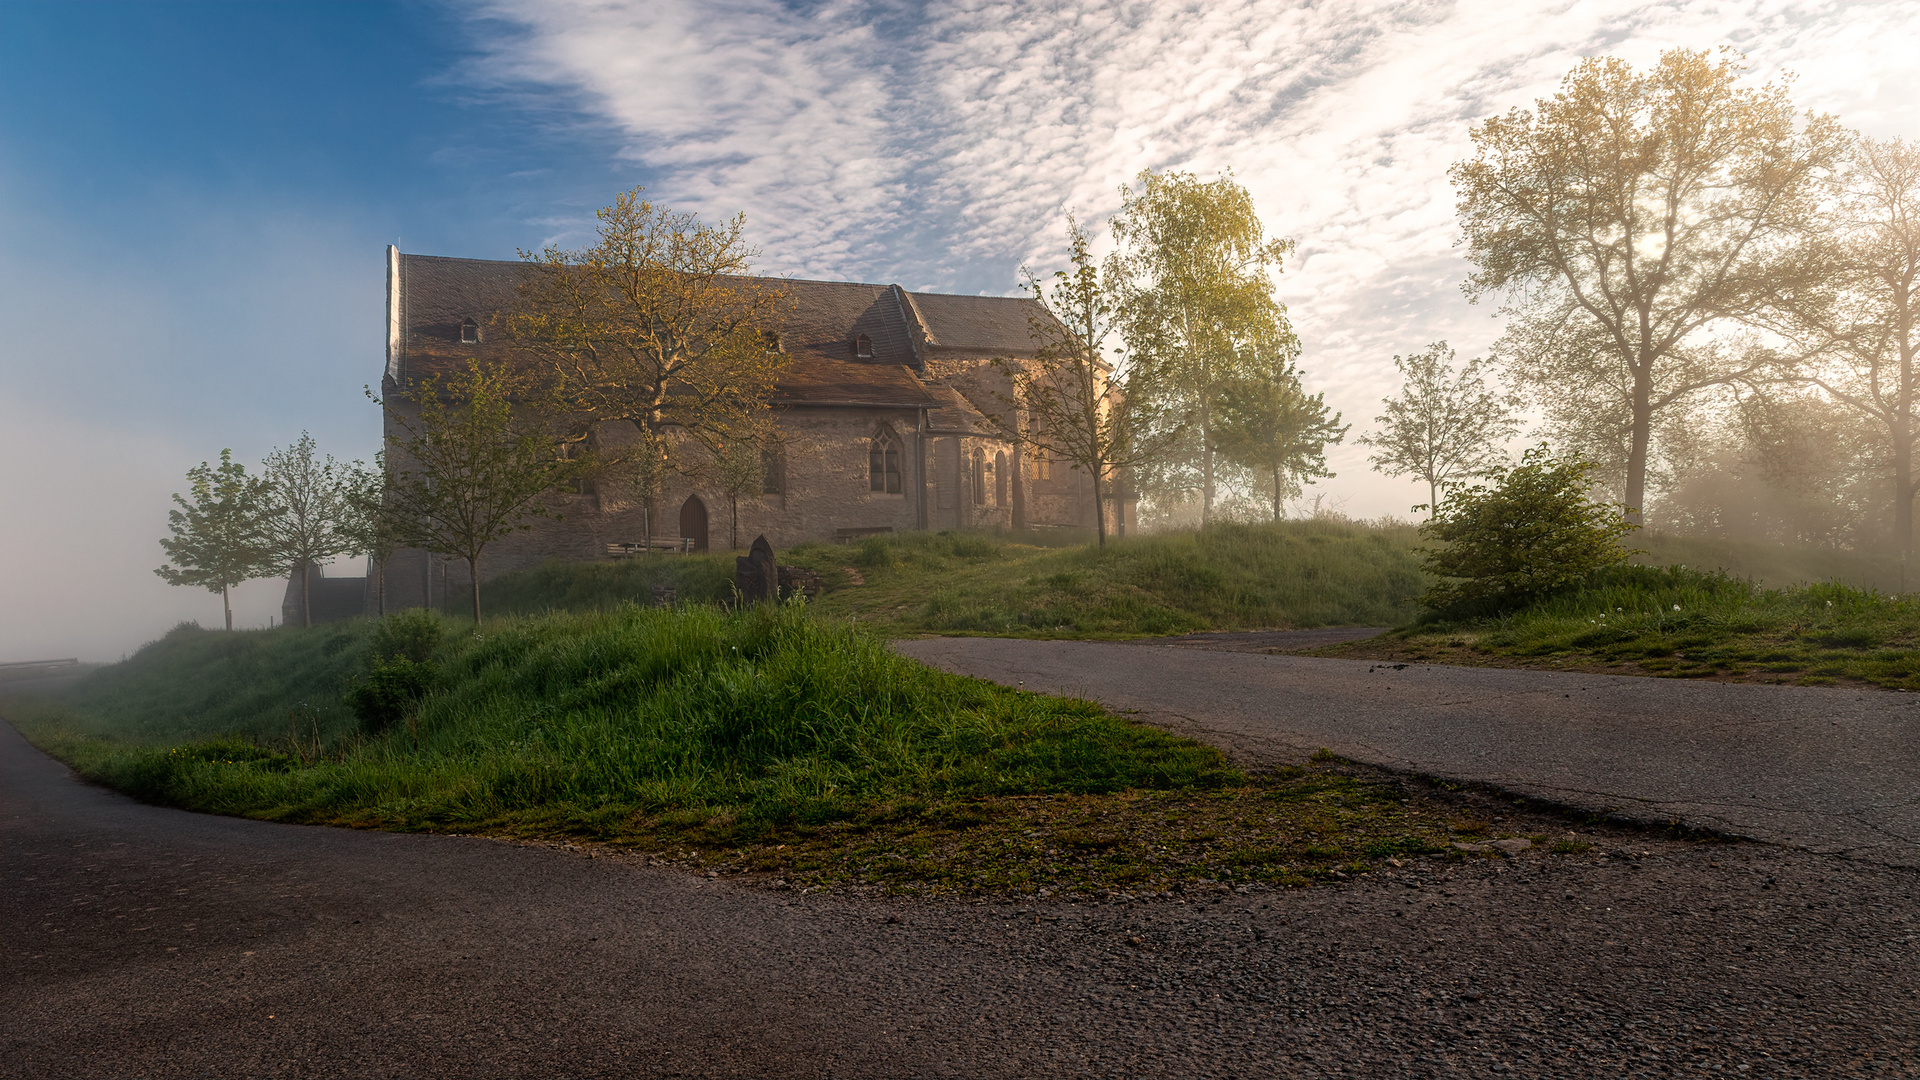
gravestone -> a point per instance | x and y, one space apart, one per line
756 575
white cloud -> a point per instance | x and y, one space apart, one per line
938 147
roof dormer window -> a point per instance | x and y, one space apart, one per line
863 347
469 333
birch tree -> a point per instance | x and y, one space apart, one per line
1442 428
1631 217
1192 288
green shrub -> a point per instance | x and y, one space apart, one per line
390 693
1533 534
407 635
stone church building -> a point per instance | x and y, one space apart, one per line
882 412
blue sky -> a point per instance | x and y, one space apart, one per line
194 198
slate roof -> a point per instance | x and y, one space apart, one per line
438 294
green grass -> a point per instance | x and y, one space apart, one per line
1229 577
767 716
1680 622
765 741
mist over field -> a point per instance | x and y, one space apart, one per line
195 200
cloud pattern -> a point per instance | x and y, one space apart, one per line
938 145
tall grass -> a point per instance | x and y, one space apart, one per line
763 717
1677 620
1228 577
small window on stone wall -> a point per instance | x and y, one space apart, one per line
773 471
469 333
883 463
863 347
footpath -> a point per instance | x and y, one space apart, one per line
1826 769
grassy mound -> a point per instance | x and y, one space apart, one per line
766 742
1683 622
767 717
1229 577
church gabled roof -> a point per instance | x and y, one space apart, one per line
444 312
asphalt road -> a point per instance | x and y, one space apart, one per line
1824 768
143 942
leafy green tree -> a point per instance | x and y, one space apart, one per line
1532 534
221 538
1068 400
468 468
1272 426
1630 222
1442 428
310 511
1195 305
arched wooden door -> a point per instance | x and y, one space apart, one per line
693 522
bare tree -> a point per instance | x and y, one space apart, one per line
1068 400
1633 215
1863 318
1442 428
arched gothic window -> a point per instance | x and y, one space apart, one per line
863 347
979 477
883 462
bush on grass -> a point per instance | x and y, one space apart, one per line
1533 534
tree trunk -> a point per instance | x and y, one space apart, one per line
380 588
1019 480
1206 466
1903 445
733 522
473 579
226 604
1433 500
1276 494
306 594
1636 493
1099 508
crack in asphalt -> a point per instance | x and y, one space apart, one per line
1780 764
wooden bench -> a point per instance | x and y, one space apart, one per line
679 545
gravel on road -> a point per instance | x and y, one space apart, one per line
1826 768
144 942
